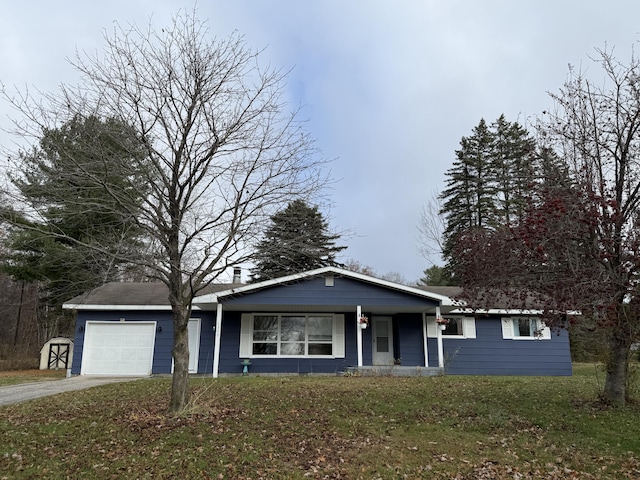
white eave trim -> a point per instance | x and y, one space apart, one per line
84 306
505 311
214 297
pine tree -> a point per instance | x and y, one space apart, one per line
297 240
489 183
468 200
68 175
515 165
436 275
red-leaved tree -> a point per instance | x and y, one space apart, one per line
578 246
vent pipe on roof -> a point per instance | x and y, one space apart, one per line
237 275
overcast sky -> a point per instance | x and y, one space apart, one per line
388 87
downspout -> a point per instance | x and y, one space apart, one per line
216 341
424 339
440 348
359 334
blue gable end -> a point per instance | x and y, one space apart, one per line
344 292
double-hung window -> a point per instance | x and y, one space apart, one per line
456 326
292 335
524 328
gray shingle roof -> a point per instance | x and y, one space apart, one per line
450 292
127 293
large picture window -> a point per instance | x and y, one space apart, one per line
293 335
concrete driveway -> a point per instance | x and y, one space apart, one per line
28 391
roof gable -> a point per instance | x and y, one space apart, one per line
306 288
310 284
343 291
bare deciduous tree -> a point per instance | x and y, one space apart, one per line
224 151
431 229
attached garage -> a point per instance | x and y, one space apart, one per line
118 348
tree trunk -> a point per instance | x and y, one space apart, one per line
615 386
180 384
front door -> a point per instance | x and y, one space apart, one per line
382 341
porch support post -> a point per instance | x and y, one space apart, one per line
216 341
440 348
359 334
424 339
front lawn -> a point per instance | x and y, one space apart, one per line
13 377
327 427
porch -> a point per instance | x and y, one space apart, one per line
394 371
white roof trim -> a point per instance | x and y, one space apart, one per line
214 297
83 306
506 311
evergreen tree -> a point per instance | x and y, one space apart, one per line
514 162
469 199
297 240
67 175
489 183
436 275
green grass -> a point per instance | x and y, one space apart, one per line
27 376
327 427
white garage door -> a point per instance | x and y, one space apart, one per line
118 348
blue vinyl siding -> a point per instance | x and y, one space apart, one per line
490 354
408 340
345 292
163 340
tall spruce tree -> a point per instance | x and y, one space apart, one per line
514 160
489 181
297 240
66 175
469 199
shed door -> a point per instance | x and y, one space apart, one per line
118 348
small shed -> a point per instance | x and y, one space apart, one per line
56 354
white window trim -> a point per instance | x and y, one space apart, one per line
468 327
337 334
509 329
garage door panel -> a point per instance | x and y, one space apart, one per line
118 348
